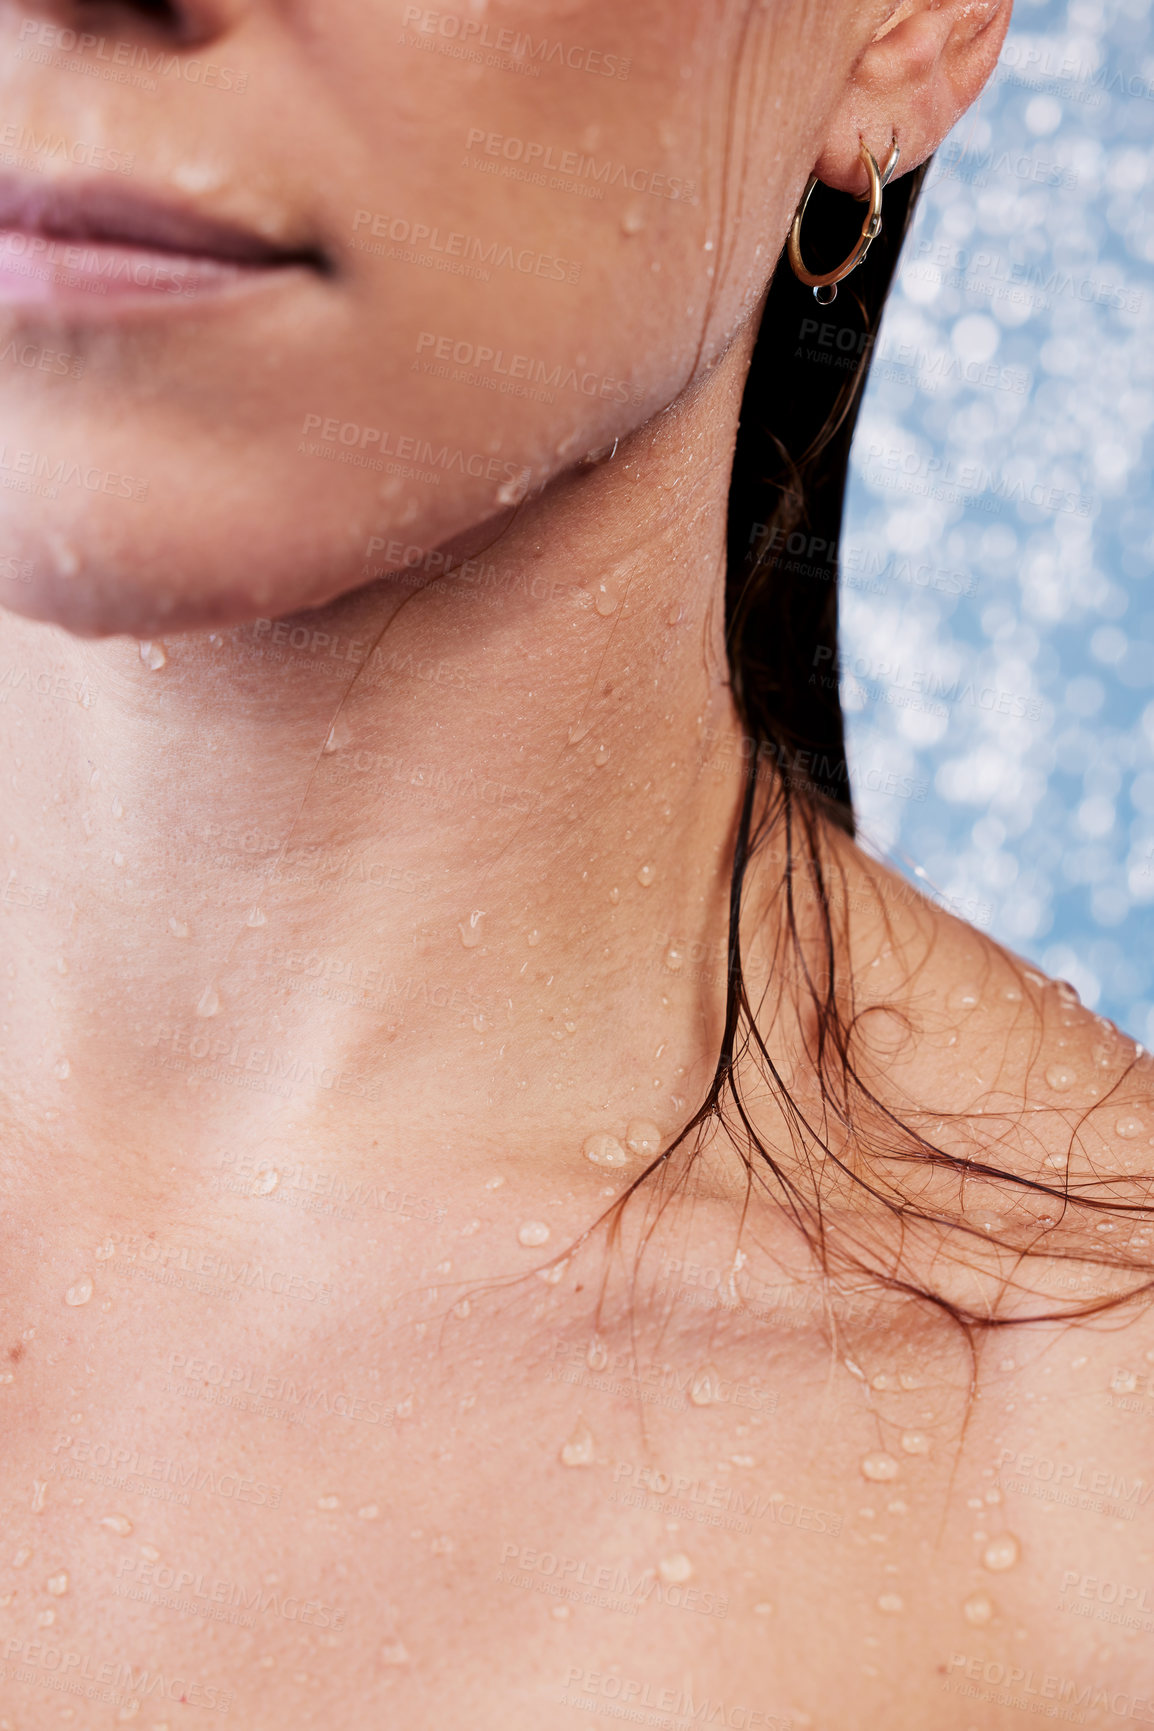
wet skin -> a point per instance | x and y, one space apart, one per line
324 965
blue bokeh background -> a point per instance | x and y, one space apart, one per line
997 659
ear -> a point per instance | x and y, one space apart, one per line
920 71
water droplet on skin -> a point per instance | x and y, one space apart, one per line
633 221
978 1609
209 1003
879 1467
915 1442
675 1569
606 600
154 655
1001 1553
881 1381
646 876
442 1545
394 1653
891 1603
62 1069
1067 993
604 1150
533 939
1060 1077
615 896
763 1608
674 959
705 1385
21 1556
370 1512
462 1308
596 1354
178 928
57 1585
555 1275
340 735
80 1293
129 1710
45 1619
579 731
328 1503
560 1612
643 1137
854 1369
1129 1127
578 1451
118 1524
256 918
601 756
963 998
472 931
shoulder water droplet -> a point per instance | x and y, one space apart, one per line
879 1467
1001 1553
578 1451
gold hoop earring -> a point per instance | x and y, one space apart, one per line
825 285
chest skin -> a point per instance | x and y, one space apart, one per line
284 1469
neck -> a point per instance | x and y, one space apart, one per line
447 847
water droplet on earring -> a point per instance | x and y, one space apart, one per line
675 1569
80 1293
472 932
208 1004
1060 1077
154 655
118 1524
1001 1553
604 1150
578 1451
265 1181
879 1467
978 1609
646 875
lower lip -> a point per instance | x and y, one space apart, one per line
38 270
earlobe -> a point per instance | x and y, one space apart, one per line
924 67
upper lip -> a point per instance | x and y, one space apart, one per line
88 210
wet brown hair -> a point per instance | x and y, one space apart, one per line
786 507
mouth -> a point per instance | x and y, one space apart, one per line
82 244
